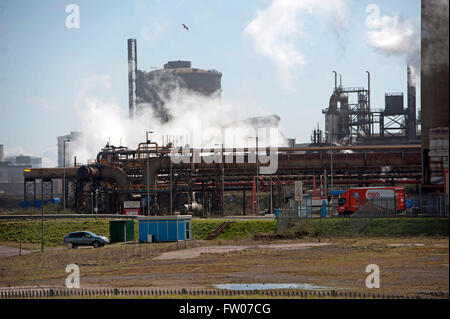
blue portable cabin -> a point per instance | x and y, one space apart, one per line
164 228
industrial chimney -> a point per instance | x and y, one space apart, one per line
132 73
2 153
411 126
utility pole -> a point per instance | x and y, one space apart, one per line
257 175
223 181
331 157
148 174
171 186
148 184
223 178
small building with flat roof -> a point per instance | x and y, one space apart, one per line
164 228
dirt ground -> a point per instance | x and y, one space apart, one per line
6 251
408 266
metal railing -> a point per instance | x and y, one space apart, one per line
170 293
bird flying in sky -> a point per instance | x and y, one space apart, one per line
184 26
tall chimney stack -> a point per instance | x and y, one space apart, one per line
132 72
411 126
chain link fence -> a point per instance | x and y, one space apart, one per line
428 205
415 206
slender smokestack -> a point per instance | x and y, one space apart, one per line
411 107
132 72
335 80
368 88
2 153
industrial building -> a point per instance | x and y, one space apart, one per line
350 119
71 140
34 162
11 171
164 228
362 145
123 174
151 89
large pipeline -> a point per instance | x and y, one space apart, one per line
103 155
108 173
82 173
49 173
289 163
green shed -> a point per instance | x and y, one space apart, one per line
121 230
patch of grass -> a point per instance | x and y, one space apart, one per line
54 230
336 227
248 228
202 227
407 227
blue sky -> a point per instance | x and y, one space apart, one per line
43 63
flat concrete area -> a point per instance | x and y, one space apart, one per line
196 252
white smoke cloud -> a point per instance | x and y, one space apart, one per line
393 35
195 118
276 30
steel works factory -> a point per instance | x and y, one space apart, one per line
362 145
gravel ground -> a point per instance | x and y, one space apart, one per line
6 251
196 252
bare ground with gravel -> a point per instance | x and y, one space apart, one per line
411 266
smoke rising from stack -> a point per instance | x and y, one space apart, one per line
394 35
276 30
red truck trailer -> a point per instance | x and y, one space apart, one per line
356 198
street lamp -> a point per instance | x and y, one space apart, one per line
330 134
171 187
257 172
223 179
64 177
148 173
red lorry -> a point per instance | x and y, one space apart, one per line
354 199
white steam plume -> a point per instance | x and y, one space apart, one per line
192 115
276 30
393 35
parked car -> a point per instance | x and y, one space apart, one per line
84 238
